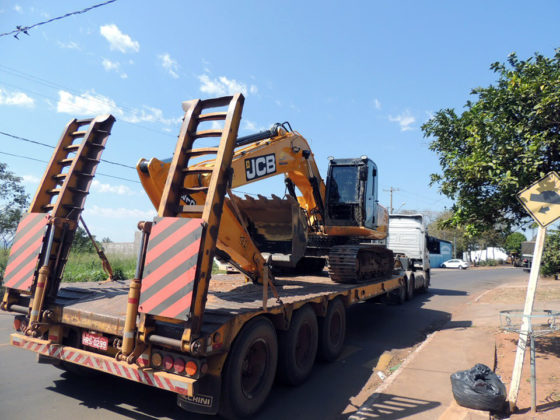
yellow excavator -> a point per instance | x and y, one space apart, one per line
318 222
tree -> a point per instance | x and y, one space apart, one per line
551 254
81 242
506 139
513 243
13 202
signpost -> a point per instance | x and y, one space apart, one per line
542 202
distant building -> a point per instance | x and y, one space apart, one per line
440 251
490 253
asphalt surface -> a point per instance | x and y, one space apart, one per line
29 390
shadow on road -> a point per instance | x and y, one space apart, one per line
372 329
119 396
391 407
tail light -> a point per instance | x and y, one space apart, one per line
157 360
179 365
191 368
168 362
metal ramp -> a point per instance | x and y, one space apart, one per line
45 233
182 241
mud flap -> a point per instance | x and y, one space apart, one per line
205 398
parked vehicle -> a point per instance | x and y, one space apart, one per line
455 263
408 237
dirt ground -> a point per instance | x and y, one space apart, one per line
547 355
547 370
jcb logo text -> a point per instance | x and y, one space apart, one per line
260 166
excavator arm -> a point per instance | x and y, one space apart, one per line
256 158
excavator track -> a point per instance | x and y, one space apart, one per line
359 263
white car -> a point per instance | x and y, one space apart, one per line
455 263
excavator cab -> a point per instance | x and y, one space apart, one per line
351 193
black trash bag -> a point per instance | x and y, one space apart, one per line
479 388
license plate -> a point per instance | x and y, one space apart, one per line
95 340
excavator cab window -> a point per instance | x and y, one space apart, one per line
343 185
351 193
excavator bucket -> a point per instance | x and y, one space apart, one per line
277 226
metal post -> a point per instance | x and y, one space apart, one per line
526 326
533 375
129 331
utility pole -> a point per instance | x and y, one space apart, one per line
391 190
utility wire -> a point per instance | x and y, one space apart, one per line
44 161
53 85
52 147
25 29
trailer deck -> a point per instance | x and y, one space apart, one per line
102 306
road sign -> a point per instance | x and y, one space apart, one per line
542 199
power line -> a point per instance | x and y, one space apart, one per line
44 161
25 29
52 147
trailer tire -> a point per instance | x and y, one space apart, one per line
298 347
410 280
332 331
250 369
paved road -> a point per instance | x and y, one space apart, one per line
30 390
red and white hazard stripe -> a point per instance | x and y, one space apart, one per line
133 372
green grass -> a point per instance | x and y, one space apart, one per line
4 254
87 267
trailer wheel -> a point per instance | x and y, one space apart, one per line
298 347
332 331
410 287
250 369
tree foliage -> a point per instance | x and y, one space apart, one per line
81 242
551 254
13 202
513 243
502 142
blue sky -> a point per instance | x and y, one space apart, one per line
354 78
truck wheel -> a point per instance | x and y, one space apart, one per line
398 296
410 287
298 347
332 331
250 369
425 282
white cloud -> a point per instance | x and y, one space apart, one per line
18 8
377 103
120 189
250 125
92 103
16 99
115 66
117 40
169 64
405 120
31 179
120 213
223 86
70 45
